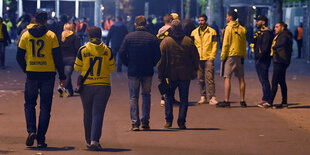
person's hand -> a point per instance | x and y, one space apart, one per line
62 83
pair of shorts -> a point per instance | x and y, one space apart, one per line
234 64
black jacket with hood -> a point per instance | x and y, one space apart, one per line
283 48
38 31
262 45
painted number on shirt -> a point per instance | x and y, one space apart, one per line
40 44
99 66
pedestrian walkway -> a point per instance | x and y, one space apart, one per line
211 130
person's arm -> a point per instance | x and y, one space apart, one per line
20 58
156 51
281 42
226 44
110 33
7 38
162 63
58 60
124 53
214 46
112 65
78 64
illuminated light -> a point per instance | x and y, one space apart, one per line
53 14
254 7
236 10
102 8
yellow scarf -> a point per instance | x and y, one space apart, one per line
273 44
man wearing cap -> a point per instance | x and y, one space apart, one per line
262 47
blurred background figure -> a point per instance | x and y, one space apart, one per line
4 41
298 37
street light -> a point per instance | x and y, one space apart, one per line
236 10
254 7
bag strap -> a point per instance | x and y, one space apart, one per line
89 70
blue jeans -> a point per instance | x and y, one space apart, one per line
32 88
94 100
262 69
183 93
69 63
134 88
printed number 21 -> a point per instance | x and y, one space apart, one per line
40 43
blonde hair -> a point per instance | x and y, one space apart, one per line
68 30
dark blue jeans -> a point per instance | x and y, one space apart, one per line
134 89
183 93
69 63
32 88
262 69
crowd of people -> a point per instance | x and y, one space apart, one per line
181 51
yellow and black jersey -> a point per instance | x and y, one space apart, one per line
104 65
39 57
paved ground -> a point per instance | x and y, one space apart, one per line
210 130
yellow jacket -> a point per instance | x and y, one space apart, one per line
234 41
100 74
206 43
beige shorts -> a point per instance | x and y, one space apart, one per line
234 64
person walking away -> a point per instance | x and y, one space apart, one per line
39 56
140 53
69 46
298 37
233 55
205 39
83 30
179 64
97 86
281 52
116 35
262 47
189 26
4 41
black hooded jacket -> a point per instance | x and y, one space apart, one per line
38 31
262 45
283 48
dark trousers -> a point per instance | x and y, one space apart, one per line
32 88
299 45
118 59
183 93
69 63
2 53
262 69
278 77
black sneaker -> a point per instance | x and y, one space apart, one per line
223 104
30 139
134 127
95 146
145 126
167 125
280 106
243 104
42 145
182 127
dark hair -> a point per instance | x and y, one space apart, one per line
176 27
140 21
283 24
94 32
41 17
168 18
233 14
64 18
203 16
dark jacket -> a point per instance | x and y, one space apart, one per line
283 48
140 52
6 37
116 35
179 58
70 46
262 45
38 31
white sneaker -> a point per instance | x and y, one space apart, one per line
162 103
202 100
213 101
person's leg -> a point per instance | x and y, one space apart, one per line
282 82
242 88
100 101
119 62
299 44
146 83
183 92
31 95
69 62
169 102
227 89
2 54
201 77
274 83
134 88
210 78
87 96
46 97
264 79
